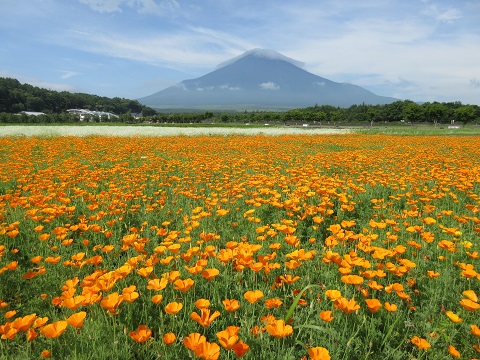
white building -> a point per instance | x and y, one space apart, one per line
33 113
86 114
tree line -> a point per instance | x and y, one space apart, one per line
16 97
405 111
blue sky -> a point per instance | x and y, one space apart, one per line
422 50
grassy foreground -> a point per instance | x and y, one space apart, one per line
342 246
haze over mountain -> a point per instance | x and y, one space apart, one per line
261 78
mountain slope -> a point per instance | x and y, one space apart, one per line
261 78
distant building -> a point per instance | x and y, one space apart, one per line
88 114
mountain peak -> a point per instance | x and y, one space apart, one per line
261 78
262 53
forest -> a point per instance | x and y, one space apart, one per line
16 98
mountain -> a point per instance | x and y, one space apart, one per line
261 79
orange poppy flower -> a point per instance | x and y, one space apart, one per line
193 340
202 304
273 303
145 271
111 302
279 329
23 323
228 337
352 279
142 334
210 274
453 317
77 319
46 354
129 294
253 296
289 279
475 330
420 343
183 285
429 220
374 285
373 304
54 330
44 237
453 352
318 353
293 264
157 284
240 348
31 334
169 338
10 314
157 299
8 331
471 295
39 322
390 307
326 315
205 319
469 304
52 260
73 303
231 305
173 308
174 248
36 259
208 351
347 306
171 276
333 294
473 255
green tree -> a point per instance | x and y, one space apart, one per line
373 115
465 113
412 112
435 112
320 116
224 118
35 103
148 111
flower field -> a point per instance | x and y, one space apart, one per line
257 247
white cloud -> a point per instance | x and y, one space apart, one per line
270 85
103 5
263 53
475 83
142 6
195 47
68 74
228 87
446 15
181 86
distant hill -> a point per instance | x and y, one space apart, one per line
261 79
16 97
